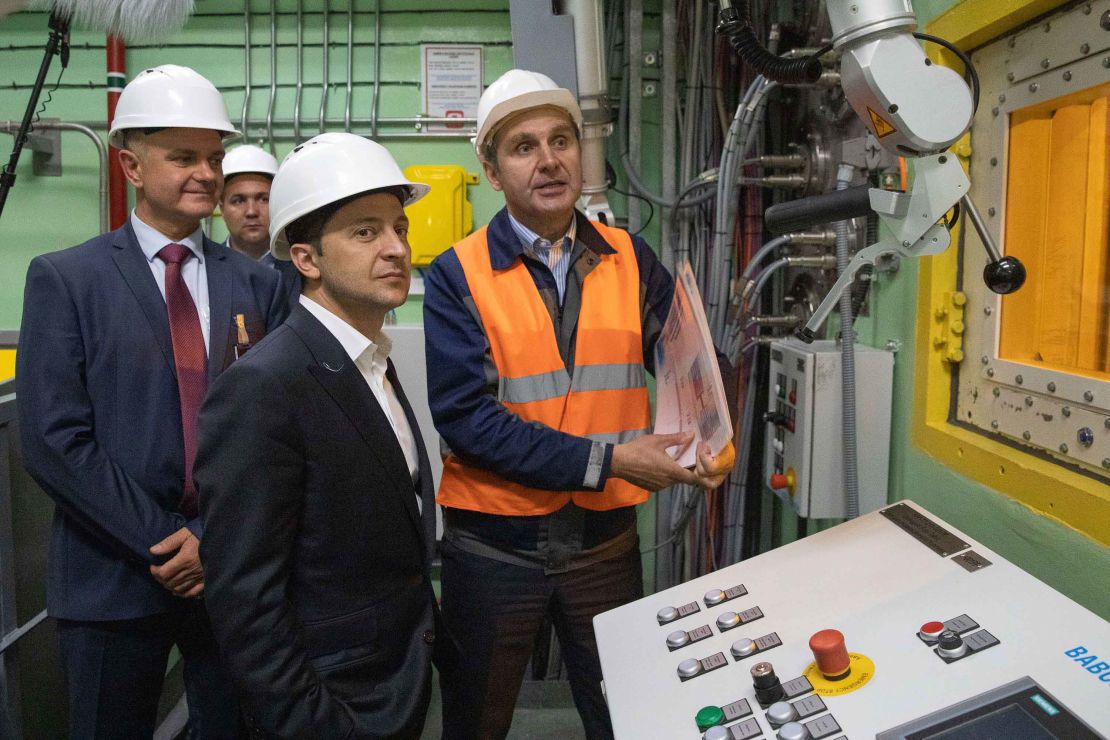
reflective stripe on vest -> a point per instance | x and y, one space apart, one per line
605 399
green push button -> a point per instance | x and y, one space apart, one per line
709 717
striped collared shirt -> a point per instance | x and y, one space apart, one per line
555 255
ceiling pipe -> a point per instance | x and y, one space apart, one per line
117 184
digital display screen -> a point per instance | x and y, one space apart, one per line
1006 723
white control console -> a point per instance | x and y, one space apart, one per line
943 639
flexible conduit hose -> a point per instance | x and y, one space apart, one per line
736 24
848 359
762 252
738 481
634 177
737 144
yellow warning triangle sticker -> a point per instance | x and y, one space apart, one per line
882 126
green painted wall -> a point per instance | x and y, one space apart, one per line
47 213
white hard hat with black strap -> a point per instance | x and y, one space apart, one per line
515 91
169 96
328 168
249 159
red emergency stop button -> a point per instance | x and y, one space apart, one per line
786 480
830 653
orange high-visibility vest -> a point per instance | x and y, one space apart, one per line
605 399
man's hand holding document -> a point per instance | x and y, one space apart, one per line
690 396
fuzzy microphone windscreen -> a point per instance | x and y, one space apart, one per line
131 20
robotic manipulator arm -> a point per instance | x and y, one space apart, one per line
915 108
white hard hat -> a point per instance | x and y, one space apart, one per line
170 96
517 90
249 158
327 168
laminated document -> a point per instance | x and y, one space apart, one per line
689 394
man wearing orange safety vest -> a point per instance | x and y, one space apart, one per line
538 330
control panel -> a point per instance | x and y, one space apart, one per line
894 625
804 450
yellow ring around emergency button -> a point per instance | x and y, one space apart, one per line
862 667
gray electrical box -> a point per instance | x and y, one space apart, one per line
803 460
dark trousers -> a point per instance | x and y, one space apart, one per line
495 610
114 672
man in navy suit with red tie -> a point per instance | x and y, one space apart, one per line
121 337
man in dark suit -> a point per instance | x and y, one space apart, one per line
248 174
121 336
315 486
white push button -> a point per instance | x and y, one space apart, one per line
743 647
677 639
728 620
794 731
714 596
689 668
667 614
780 713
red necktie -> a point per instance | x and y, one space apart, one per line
189 357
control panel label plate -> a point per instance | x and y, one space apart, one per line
924 530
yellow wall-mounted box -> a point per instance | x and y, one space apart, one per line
444 215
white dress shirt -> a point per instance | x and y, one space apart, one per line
193 272
370 359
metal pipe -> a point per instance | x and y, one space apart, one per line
350 66
392 121
12 127
388 135
828 79
247 66
374 120
787 321
670 87
117 184
273 78
593 90
791 182
300 72
981 228
844 176
324 81
634 22
815 262
778 161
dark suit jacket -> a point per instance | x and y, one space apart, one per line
101 416
316 559
290 277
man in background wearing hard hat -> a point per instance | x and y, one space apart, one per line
318 501
245 206
538 330
245 200
120 338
